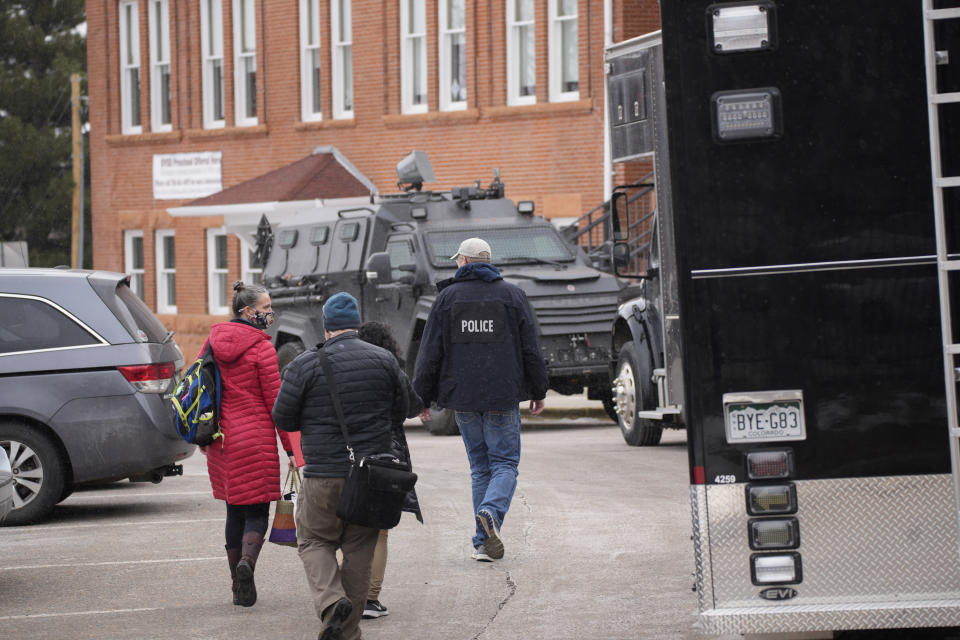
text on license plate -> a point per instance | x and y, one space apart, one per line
780 419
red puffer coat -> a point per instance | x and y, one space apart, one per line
245 467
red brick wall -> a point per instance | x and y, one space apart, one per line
549 152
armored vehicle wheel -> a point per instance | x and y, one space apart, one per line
38 474
633 391
287 352
443 422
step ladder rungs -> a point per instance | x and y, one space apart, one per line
945 98
954 432
943 14
953 349
949 265
951 181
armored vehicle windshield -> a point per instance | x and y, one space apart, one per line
515 245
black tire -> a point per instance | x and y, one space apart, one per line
443 422
633 391
67 492
287 352
38 472
610 406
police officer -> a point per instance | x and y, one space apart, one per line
480 356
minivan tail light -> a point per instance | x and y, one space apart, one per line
149 378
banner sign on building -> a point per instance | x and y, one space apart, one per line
177 176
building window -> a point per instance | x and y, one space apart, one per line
217 283
250 266
453 55
133 260
413 56
159 66
310 106
564 48
211 36
245 61
130 67
341 30
166 272
521 53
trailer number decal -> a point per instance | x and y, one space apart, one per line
767 415
725 479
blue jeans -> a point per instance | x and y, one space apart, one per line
492 439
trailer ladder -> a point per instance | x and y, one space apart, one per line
944 264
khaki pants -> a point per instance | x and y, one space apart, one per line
319 534
379 566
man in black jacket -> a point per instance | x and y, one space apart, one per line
480 355
373 397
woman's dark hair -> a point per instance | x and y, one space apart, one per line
379 334
245 295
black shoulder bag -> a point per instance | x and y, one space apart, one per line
375 489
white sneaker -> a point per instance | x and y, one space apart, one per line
481 556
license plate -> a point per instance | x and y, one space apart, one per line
764 416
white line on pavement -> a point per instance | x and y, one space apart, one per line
119 494
105 564
58 527
78 613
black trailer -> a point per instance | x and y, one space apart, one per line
810 154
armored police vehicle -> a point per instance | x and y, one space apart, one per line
390 252
807 166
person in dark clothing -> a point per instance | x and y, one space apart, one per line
243 465
371 391
379 334
480 356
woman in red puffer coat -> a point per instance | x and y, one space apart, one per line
244 465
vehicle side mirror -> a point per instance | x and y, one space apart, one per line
378 268
621 255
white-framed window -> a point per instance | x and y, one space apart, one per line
129 15
166 271
413 56
310 105
245 61
159 18
133 259
251 268
521 53
218 285
211 43
564 51
453 55
341 38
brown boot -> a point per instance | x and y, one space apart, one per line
233 557
246 589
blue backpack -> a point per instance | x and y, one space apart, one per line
196 401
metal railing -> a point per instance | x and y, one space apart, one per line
593 230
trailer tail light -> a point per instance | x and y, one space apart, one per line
150 378
769 465
771 499
780 533
781 568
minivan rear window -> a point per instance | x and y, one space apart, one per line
147 327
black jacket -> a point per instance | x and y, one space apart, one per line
372 393
480 349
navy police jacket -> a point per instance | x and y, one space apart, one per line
480 350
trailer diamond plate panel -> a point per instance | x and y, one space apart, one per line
877 553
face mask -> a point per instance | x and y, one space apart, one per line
262 319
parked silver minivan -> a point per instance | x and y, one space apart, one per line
86 372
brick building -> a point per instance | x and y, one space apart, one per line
236 89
